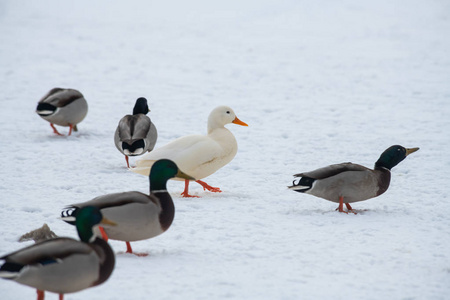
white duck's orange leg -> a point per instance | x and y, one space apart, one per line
54 129
208 187
126 159
185 193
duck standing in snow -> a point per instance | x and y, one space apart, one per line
198 155
138 216
64 265
63 107
136 134
348 182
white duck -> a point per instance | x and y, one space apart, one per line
198 155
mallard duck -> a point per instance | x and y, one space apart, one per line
63 107
64 265
136 134
138 216
199 155
348 182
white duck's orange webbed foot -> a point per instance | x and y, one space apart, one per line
186 195
208 187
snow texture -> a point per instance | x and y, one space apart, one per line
318 82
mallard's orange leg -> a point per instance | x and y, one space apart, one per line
104 235
341 205
350 209
40 295
61 296
128 164
70 129
185 193
129 250
54 129
208 187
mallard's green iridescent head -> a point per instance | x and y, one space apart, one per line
86 218
141 106
393 155
161 171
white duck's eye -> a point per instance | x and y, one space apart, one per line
228 112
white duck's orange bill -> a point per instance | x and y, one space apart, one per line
239 122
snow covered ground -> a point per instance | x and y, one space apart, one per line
319 82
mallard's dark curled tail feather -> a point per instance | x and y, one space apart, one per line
69 214
303 185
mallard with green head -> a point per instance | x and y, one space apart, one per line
138 216
348 182
64 265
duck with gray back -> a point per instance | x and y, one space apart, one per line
136 134
138 216
63 107
64 265
348 182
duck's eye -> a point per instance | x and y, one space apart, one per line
228 112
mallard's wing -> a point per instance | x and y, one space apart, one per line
332 170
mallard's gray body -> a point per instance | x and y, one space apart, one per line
64 265
137 215
133 128
63 107
348 182
351 181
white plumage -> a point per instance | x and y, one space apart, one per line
199 155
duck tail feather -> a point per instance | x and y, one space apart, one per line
69 214
302 185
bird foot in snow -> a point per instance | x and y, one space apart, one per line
186 195
208 187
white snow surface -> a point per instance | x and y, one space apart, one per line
318 82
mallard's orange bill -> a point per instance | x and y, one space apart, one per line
108 222
411 150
